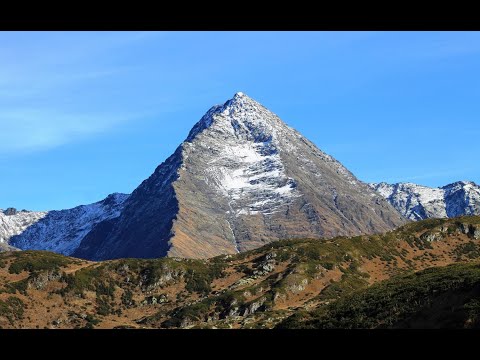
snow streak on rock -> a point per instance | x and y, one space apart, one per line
247 167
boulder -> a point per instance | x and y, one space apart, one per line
254 306
476 233
464 228
41 280
431 236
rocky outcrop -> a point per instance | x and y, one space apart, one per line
265 265
155 300
432 236
39 281
152 279
470 230
254 306
10 211
476 234
438 234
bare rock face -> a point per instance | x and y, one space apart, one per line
241 179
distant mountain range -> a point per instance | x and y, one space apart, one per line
417 202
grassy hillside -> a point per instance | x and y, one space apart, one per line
443 297
294 283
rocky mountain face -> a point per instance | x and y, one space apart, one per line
242 178
417 202
58 231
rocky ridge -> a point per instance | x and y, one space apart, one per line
58 231
417 202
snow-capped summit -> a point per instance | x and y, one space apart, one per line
417 202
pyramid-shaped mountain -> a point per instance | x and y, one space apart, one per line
241 179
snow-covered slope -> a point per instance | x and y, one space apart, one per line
417 202
241 179
58 231
14 222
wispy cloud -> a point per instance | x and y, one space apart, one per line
38 129
52 87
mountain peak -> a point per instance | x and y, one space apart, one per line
242 178
241 102
238 116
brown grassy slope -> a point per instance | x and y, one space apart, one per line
434 298
258 288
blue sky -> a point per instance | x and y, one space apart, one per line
84 114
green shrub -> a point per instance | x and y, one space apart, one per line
20 286
12 309
102 288
83 279
127 298
37 261
199 276
436 297
471 250
103 306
